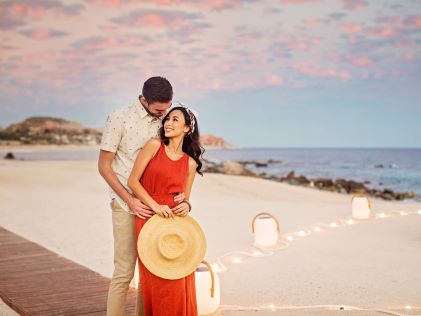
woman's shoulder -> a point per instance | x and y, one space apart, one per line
154 142
192 162
153 145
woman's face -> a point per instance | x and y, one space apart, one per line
175 125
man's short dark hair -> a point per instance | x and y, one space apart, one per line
157 89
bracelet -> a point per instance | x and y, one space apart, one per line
188 203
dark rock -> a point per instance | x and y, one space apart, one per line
10 156
379 166
409 195
261 164
290 175
323 183
274 161
351 186
387 196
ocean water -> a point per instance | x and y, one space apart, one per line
396 169
393 168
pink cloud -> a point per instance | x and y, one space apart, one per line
354 5
99 43
408 57
351 27
413 21
361 61
315 71
161 19
43 34
273 80
212 4
19 12
312 22
380 31
299 1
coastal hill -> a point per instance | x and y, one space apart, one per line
59 131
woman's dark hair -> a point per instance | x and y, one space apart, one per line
157 89
191 142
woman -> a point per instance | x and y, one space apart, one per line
166 167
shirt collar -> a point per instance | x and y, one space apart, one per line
143 113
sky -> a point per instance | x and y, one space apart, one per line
275 73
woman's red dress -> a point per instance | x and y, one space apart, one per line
163 178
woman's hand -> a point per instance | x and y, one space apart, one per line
181 209
179 197
164 211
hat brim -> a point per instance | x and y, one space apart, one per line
147 246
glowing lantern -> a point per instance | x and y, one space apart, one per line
361 207
266 230
208 293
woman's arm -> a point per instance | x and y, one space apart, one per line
182 209
142 160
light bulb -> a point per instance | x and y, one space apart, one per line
408 307
403 213
350 221
290 238
316 229
272 307
215 267
333 225
301 233
381 215
236 260
419 212
256 253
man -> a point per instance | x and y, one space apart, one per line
125 133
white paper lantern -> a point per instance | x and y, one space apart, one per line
208 293
361 207
266 230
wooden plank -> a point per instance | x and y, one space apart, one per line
36 281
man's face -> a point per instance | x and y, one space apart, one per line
156 109
159 109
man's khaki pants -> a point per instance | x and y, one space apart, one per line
125 256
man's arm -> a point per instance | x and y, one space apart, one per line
104 167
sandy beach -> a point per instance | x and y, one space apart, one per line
375 265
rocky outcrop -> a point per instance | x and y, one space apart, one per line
211 141
10 156
50 130
58 131
339 185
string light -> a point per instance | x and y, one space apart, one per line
220 267
273 307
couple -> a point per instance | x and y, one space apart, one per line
149 157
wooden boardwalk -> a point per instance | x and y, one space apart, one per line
36 281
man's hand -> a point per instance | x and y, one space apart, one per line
141 210
179 197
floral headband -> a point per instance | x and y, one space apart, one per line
192 114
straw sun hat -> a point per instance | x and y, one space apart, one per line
171 248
